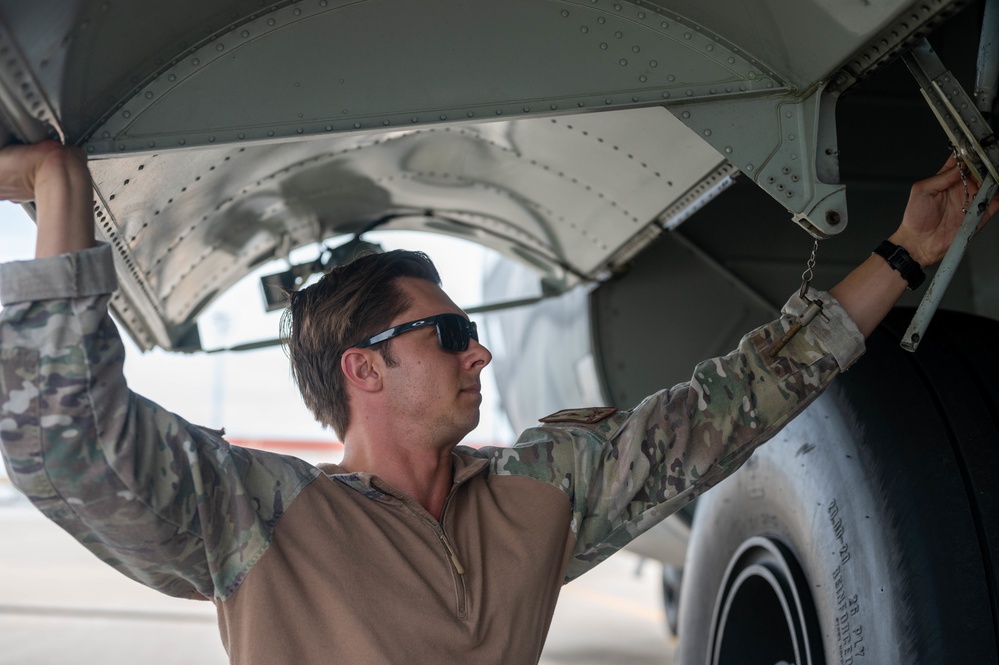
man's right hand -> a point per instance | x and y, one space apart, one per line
57 179
929 224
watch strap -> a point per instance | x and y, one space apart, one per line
900 260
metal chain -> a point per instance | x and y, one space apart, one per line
964 181
806 277
813 309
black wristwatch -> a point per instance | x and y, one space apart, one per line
900 260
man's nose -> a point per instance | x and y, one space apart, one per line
478 355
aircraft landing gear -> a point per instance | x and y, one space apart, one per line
868 526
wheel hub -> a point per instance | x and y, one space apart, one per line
764 613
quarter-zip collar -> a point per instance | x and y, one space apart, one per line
464 467
372 487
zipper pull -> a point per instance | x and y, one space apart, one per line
454 559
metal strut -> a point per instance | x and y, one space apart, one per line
976 147
928 306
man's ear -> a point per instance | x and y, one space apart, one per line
361 370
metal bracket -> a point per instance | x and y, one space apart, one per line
955 111
976 146
786 145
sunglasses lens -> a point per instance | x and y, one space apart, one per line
454 331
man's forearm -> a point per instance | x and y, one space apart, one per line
869 292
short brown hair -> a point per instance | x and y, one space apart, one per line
348 304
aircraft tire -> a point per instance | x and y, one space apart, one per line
672 578
867 531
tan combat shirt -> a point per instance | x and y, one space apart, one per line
311 565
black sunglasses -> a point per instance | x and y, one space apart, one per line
453 332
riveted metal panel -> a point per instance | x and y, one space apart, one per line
808 41
432 62
234 131
559 193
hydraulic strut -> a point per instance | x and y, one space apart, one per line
976 147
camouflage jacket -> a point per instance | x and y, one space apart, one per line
177 508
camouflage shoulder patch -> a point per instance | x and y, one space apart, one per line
587 416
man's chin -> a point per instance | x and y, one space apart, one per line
470 425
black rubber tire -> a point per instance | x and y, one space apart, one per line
672 578
873 518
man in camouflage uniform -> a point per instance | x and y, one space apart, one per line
412 549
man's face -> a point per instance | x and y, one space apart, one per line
438 391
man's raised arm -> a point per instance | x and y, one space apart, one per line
140 487
57 179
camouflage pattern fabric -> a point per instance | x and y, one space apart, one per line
165 502
625 473
176 508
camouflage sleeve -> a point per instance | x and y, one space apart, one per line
628 472
163 501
